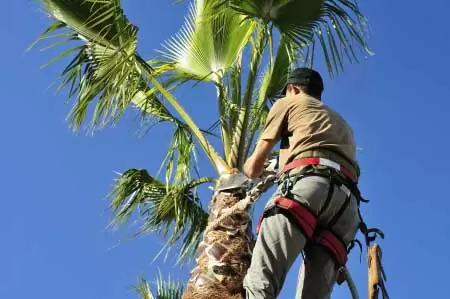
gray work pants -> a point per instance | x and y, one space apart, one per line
280 241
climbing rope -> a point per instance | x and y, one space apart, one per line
351 283
251 196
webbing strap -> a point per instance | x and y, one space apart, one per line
327 200
304 217
340 212
329 240
370 234
319 161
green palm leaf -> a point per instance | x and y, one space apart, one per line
337 25
282 13
273 80
169 289
169 209
208 44
106 67
180 157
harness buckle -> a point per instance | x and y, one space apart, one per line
341 278
286 187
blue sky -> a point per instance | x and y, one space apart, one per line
54 241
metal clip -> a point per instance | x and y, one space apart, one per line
286 187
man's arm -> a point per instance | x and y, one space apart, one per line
270 135
254 166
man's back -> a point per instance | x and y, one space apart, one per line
304 123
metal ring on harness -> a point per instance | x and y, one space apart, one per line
286 187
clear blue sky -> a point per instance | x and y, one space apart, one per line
53 238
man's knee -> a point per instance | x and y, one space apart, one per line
317 275
258 287
276 248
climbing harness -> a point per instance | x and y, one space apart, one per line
340 177
300 213
252 196
348 186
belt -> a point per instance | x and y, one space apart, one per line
319 161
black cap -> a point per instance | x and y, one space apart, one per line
304 76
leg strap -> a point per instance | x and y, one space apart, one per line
334 245
304 218
307 222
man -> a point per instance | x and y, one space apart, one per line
315 208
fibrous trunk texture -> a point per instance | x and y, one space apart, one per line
224 255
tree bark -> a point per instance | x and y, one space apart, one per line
224 255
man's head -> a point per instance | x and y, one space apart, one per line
304 80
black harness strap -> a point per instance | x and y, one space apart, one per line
328 199
352 245
339 214
370 235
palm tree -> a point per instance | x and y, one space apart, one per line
244 48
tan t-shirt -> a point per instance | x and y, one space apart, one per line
305 123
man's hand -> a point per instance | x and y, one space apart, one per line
254 167
266 180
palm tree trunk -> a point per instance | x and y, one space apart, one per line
224 255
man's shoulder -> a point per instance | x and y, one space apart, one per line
281 103
336 113
299 99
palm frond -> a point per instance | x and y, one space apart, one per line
168 209
272 82
144 290
259 44
180 158
229 101
99 21
338 26
107 69
169 289
341 32
104 67
208 44
274 78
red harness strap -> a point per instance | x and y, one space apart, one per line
334 245
319 161
305 219
307 222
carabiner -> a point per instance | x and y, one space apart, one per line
286 187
